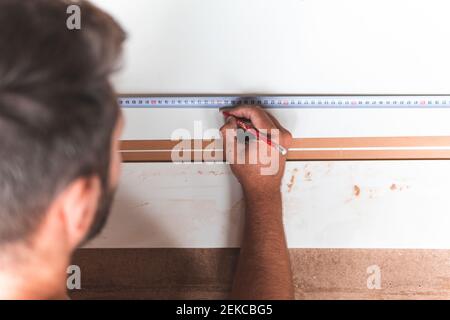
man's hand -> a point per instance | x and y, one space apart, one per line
251 176
264 270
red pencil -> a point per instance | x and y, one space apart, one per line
248 127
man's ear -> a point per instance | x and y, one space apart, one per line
78 206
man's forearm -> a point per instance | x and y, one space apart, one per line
264 270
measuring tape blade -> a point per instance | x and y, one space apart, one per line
294 102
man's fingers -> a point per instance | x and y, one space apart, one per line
286 135
230 124
259 118
228 129
228 132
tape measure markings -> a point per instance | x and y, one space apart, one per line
294 102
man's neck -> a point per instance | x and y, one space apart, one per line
32 277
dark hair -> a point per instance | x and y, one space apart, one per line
57 107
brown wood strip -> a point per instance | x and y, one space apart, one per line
310 155
372 142
437 141
141 150
130 145
208 273
370 155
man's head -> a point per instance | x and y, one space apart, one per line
59 121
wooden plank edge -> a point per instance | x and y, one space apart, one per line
311 149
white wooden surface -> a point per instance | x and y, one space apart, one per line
393 204
276 47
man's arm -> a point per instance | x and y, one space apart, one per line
264 270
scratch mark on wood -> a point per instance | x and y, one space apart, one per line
308 176
293 179
395 187
356 190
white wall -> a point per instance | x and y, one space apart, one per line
287 46
284 46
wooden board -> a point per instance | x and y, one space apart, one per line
208 273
